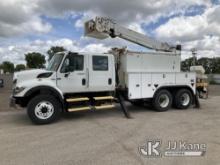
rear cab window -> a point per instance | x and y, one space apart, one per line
100 63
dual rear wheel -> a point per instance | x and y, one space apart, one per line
163 99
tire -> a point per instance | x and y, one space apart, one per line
162 100
44 109
183 99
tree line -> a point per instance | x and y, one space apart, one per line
211 65
34 60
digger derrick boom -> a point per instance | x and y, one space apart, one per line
102 28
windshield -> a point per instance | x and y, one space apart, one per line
55 62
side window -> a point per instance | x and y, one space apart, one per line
100 63
73 63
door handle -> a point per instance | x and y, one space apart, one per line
109 81
83 81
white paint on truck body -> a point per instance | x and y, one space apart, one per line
143 73
144 85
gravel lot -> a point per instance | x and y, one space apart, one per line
106 137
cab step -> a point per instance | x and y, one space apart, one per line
90 108
69 100
104 107
86 103
79 109
103 98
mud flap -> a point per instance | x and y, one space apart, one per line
197 103
12 102
122 103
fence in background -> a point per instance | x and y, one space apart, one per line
7 78
214 78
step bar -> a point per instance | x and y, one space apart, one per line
91 108
77 99
78 109
104 107
99 99
87 99
88 107
103 98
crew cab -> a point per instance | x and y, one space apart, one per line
70 80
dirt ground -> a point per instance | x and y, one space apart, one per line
106 137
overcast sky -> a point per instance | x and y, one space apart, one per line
36 25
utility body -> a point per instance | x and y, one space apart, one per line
75 81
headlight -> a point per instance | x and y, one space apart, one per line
18 90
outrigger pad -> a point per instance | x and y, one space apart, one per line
123 107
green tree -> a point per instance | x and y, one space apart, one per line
185 65
20 67
8 67
211 65
53 50
207 64
35 60
216 65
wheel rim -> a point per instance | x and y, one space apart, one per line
44 110
164 100
185 99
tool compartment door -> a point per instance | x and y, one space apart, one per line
134 85
147 89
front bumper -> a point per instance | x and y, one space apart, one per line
12 102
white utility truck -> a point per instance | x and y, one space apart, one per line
76 81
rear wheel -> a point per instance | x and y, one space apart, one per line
183 99
162 100
44 109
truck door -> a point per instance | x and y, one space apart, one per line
101 76
72 78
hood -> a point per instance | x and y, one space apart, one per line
28 74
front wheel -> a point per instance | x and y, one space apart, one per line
162 100
43 109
